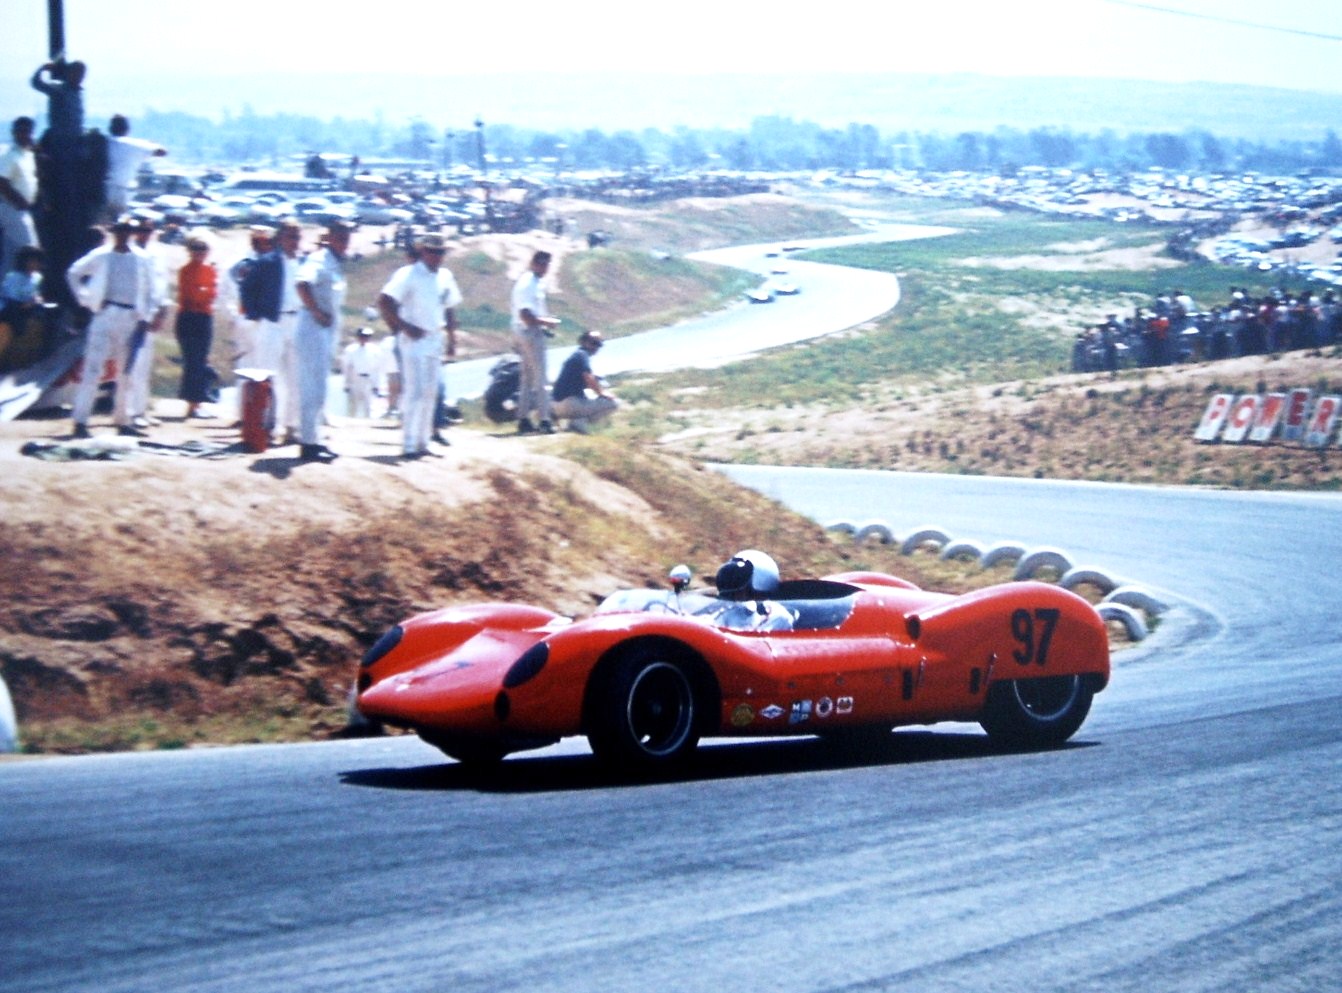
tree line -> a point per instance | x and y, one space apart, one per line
773 143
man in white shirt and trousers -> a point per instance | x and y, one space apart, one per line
141 371
116 282
321 288
361 365
417 303
532 325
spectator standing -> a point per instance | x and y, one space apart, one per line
125 155
269 296
1109 336
244 328
321 288
576 380
419 301
146 341
197 289
361 366
18 192
115 282
63 84
1330 319
532 325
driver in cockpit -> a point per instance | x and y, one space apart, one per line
750 577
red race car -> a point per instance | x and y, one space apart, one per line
652 671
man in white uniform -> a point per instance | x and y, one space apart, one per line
125 155
532 325
18 190
417 303
361 365
116 282
142 371
321 288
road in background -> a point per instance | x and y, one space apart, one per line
832 298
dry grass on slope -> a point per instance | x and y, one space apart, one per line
1137 428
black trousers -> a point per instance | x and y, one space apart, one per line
195 333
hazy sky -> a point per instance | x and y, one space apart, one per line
1296 44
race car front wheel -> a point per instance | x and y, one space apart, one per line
644 712
1036 713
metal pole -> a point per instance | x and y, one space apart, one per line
55 29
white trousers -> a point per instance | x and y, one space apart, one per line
109 338
140 374
312 356
420 368
359 395
274 350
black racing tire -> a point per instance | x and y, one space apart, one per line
476 754
645 711
1036 713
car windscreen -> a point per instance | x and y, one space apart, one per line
736 615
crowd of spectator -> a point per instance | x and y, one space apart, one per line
1173 329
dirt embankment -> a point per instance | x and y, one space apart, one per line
176 599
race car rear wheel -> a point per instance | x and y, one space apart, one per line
1036 712
644 711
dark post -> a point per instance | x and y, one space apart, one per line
55 29
480 143
71 166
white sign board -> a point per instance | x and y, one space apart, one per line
1297 413
1241 418
1209 429
1269 415
1323 420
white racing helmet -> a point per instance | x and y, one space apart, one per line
747 573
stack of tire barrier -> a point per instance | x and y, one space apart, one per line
1129 605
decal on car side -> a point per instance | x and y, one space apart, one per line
1034 643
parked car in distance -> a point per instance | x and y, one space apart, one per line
318 210
377 212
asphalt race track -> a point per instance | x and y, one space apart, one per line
1188 839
